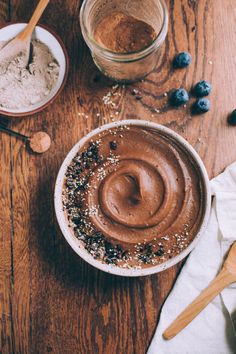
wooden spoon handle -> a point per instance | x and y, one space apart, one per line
223 279
27 32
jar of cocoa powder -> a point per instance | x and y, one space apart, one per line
124 36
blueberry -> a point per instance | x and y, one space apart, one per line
160 252
232 118
113 145
202 88
182 60
179 97
202 105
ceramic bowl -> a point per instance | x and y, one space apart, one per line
55 44
78 246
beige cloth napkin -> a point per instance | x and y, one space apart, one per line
214 330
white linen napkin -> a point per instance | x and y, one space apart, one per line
213 331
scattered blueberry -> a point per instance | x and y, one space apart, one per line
179 97
232 118
182 60
138 97
202 88
113 145
202 105
160 252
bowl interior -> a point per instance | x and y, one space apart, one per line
78 246
10 31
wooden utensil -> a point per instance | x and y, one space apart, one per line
39 142
21 43
226 277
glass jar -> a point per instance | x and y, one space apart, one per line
125 67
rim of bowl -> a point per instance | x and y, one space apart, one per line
45 105
78 246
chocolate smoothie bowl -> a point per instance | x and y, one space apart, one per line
132 198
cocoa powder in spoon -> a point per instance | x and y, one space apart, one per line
40 142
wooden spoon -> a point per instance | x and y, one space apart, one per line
39 142
21 43
226 277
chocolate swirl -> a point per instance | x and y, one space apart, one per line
150 188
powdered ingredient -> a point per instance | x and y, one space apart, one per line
23 87
40 142
122 33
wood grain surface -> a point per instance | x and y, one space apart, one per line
50 300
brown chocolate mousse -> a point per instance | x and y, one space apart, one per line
123 33
133 196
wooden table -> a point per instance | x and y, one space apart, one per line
50 300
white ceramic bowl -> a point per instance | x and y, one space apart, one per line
55 44
78 246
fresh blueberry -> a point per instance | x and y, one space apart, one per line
202 105
179 97
182 60
113 145
202 88
160 252
232 118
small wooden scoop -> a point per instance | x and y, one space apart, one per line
226 277
21 43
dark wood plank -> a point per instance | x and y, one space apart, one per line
51 301
7 335
6 234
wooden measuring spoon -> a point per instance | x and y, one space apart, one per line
21 43
226 277
39 142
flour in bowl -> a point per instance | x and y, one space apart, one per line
23 87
